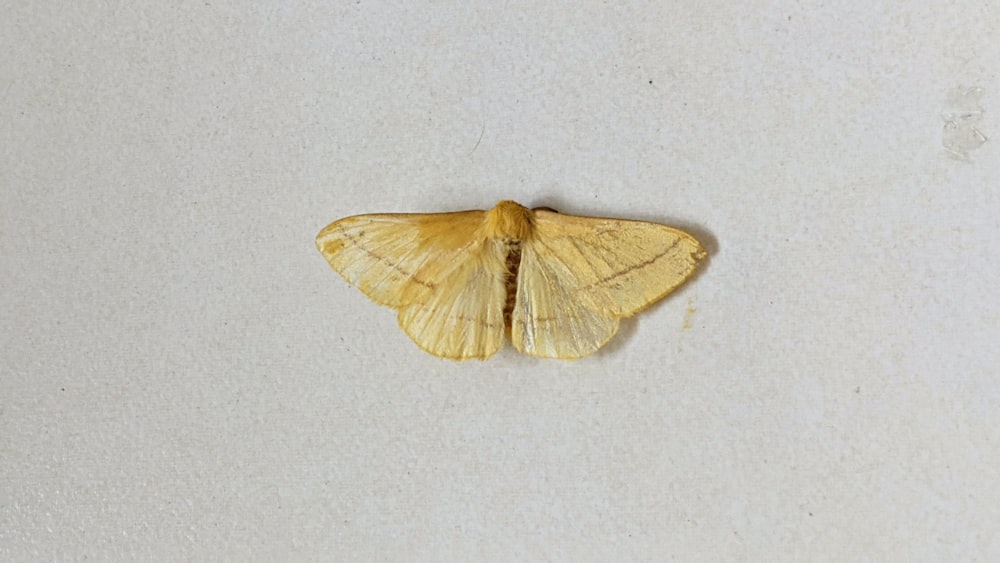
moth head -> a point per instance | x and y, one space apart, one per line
508 220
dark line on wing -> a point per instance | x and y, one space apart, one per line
412 276
463 318
475 321
562 318
635 267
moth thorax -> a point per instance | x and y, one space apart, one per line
509 221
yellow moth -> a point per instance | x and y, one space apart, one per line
555 284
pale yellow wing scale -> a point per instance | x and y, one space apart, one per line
446 281
579 275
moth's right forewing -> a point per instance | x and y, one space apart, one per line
618 266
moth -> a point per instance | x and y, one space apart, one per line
556 285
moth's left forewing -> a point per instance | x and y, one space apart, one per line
398 259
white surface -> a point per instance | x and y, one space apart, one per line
183 377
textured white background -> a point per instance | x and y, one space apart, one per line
183 376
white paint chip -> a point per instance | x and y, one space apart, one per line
961 113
